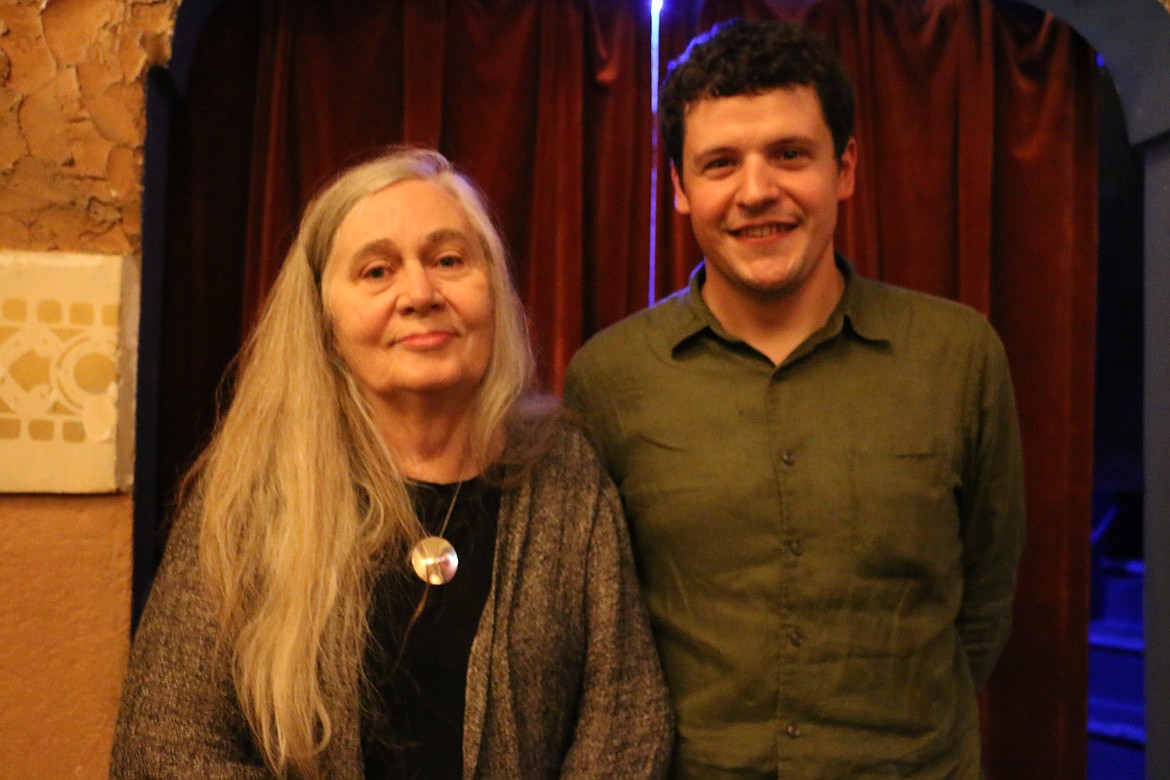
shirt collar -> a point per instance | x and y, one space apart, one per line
857 311
689 315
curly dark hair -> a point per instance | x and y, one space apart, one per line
739 57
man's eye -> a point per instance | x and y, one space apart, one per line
718 162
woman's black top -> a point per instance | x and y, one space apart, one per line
412 726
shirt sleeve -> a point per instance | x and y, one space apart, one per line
578 399
992 514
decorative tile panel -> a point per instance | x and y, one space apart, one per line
66 372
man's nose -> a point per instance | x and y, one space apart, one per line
758 184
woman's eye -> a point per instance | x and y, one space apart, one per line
449 261
376 272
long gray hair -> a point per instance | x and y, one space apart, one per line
301 504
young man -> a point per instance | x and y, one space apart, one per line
822 473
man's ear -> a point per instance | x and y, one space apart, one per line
682 203
847 170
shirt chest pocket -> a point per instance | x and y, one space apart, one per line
903 513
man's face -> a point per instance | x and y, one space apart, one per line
761 184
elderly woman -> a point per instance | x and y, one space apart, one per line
394 560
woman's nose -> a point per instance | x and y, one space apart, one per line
418 291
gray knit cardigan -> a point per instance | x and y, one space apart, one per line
563 679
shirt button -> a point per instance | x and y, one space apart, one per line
796 547
792 730
796 638
788 457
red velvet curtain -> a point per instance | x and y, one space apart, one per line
977 181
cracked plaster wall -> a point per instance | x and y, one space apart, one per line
72 120
72 127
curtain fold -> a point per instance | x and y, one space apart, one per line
1043 293
977 181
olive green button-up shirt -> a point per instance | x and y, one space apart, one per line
828 548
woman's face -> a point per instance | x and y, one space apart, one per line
407 291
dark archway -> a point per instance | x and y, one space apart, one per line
165 90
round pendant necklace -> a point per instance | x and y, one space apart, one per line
433 558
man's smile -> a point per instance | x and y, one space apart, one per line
763 230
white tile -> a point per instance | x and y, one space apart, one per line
68 327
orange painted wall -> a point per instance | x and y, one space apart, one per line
64 591
72 126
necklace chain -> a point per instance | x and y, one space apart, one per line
450 509
433 558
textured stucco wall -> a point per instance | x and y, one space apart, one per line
64 591
72 126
